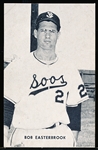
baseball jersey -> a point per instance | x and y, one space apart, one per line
41 92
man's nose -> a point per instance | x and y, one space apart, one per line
47 35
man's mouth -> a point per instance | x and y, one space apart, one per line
47 41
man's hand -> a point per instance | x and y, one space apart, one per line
75 133
6 143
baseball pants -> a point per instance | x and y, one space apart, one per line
59 136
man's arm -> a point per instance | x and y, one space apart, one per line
8 114
74 114
6 130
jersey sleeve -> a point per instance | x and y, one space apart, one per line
77 92
12 84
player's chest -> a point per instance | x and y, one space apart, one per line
47 76
47 83
40 80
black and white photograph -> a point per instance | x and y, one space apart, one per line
49 75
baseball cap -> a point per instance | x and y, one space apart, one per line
48 16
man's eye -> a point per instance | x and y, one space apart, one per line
42 30
45 30
52 31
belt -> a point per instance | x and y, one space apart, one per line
54 125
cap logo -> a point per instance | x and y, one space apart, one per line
49 14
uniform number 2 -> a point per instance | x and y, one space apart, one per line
82 90
59 96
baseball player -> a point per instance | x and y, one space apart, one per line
37 90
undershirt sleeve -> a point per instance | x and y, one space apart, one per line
74 114
8 112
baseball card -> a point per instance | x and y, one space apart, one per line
49 75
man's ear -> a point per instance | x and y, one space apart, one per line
35 33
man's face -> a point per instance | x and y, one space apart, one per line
46 35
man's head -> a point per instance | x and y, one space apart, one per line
48 16
47 30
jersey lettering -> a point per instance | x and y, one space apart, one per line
59 96
44 82
82 90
